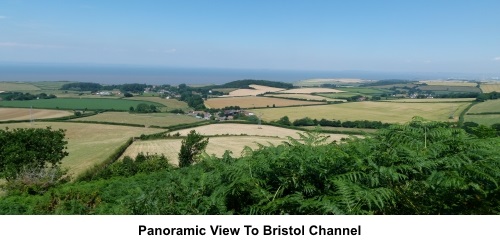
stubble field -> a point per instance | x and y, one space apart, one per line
488 88
389 112
147 119
7 114
254 101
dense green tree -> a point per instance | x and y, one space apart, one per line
26 149
285 121
191 147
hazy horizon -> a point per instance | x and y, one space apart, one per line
113 74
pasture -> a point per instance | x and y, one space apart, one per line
434 100
77 104
487 120
89 144
257 89
488 88
320 81
456 83
303 97
169 103
17 86
487 106
7 114
254 102
339 95
149 119
363 90
389 112
447 89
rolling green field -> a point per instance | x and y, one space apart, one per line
339 95
389 112
49 85
456 89
89 144
77 104
149 119
435 100
17 86
169 103
487 120
487 106
362 90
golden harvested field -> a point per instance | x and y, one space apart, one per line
149 119
303 96
254 101
7 114
235 142
436 100
258 89
17 86
310 91
89 144
250 130
488 88
216 145
169 103
389 112
487 106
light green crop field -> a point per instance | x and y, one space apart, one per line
77 104
374 111
487 120
149 119
450 83
17 86
340 95
320 81
487 106
435 100
363 90
50 85
169 103
89 144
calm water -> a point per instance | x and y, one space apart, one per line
113 74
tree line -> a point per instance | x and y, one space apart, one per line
306 121
25 96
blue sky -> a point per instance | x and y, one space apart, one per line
393 36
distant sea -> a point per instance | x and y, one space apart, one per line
115 74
